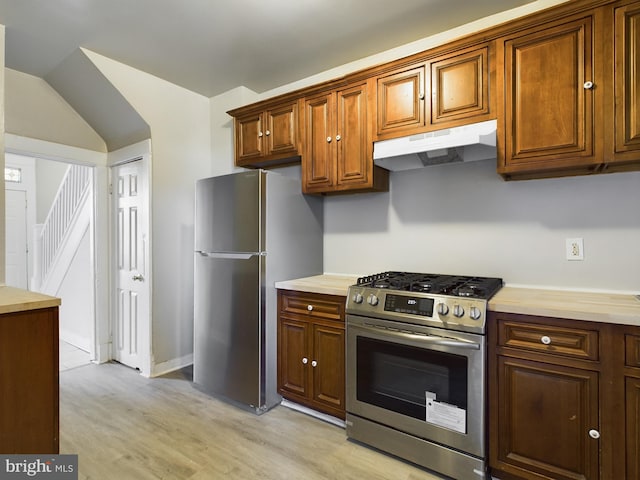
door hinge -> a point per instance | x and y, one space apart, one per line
111 189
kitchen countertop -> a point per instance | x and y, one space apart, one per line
327 284
18 300
598 307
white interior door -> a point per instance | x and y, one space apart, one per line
131 329
16 238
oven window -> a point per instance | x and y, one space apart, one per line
397 377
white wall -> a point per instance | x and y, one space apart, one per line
2 95
181 153
35 110
465 219
76 314
49 175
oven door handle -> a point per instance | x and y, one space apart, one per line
430 339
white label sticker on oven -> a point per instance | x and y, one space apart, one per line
445 415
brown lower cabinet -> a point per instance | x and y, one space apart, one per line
564 398
311 360
29 382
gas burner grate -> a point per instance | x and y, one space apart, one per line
453 285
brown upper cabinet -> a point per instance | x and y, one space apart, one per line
449 90
568 102
627 87
338 150
267 137
553 98
562 83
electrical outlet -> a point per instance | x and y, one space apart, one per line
575 249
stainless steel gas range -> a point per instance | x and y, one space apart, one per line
416 361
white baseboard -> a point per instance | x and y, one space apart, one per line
314 413
163 368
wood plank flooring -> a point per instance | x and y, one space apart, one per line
124 426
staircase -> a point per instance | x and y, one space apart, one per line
58 238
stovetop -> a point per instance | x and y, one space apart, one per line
437 284
452 302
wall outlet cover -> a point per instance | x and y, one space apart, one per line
575 249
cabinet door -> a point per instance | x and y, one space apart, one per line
249 135
460 87
632 434
544 415
281 130
329 368
318 162
29 402
293 357
400 97
354 161
549 106
627 82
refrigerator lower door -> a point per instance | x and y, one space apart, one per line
228 329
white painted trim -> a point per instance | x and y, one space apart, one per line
100 252
171 365
140 151
313 413
129 153
52 151
58 270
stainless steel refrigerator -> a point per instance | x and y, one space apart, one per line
252 229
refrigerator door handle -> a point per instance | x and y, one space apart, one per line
231 256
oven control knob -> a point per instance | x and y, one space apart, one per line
357 298
443 309
474 313
372 300
458 311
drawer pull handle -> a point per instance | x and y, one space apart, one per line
309 307
594 434
314 364
305 360
546 340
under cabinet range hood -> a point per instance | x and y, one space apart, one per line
458 144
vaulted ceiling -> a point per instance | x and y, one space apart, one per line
211 46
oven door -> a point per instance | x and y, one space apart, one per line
423 381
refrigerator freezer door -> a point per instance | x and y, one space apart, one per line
229 213
228 327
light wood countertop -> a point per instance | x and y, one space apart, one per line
598 307
327 284
18 300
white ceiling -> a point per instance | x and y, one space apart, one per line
211 46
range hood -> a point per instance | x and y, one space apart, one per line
459 144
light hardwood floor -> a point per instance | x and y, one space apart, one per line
124 426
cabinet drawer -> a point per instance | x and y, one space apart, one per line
632 350
330 307
569 342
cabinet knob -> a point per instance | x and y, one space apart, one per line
259 134
588 85
309 307
267 133
421 96
546 340
314 364
338 137
305 360
328 139
594 434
